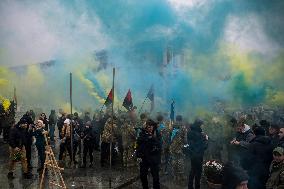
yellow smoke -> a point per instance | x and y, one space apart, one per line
5 103
90 86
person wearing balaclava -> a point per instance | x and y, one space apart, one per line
88 137
17 141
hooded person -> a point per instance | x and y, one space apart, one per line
260 157
197 144
88 137
234 177
149 153
17 142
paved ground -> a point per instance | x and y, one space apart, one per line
96 177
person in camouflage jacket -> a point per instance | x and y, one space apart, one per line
109 137
276 177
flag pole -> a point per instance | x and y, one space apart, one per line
71 128
112 122
142 105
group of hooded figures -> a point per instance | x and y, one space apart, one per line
126 139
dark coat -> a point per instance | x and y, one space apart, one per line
260 150
149 147
17 137
197 142
40 140
242 150
88 136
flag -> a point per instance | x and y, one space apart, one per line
150 95
127 102
109 99
172 116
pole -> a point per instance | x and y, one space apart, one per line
112 122
142 105
71 128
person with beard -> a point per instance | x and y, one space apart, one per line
88 138
260 152
17 143
276 175
149 154
197 144
273 134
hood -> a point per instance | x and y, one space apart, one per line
247 128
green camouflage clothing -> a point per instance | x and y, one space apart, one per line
276 178
176 151
110 132
128 143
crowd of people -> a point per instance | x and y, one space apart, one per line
255 150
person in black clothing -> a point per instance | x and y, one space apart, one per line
97 127
197 144
60 124
281 137
243 136
29 137
52 122
273 134
86 118
78 126
149 153
17 143
39 133
44 120
88 144
260 156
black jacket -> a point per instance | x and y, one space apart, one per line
260 152
197 142
149 147
88 136
17 137
261 149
